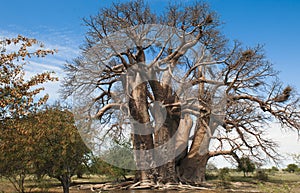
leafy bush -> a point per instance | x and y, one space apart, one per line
275 169
261 175
246 165
292 168
224 177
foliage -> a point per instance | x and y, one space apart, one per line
115 163
17 95
100 167
224 177
275 169
17 100
211 171
60 151
16 152
246 165
42 143
292 168
261 175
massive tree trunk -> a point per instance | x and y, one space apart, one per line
188 166
142 131
167 120
165 138
192 167
142 137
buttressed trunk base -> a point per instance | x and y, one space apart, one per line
192 169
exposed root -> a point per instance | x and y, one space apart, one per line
131 185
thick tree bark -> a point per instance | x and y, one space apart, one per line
182 138
167 121
167 172
187 167
192 169
142 137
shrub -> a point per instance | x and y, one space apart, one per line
292 168
224 177
246 165
261 175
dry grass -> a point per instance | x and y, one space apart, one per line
279 182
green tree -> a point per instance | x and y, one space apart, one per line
224 177
274 169
17 100
211 167
292 168
246 165
60 151
118 155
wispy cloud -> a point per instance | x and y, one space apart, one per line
65 41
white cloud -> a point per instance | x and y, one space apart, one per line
288 141
65 41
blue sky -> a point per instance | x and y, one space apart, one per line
273 23
58 23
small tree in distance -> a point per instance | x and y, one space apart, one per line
211 167
246 165
275 169
292 168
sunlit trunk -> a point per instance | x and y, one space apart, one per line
167 121
142 137
192 167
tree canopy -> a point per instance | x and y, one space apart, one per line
18 95
59 149
42 143
246 165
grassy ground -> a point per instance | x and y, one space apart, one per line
277 182
50 185
282 183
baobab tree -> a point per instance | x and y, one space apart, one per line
174 86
